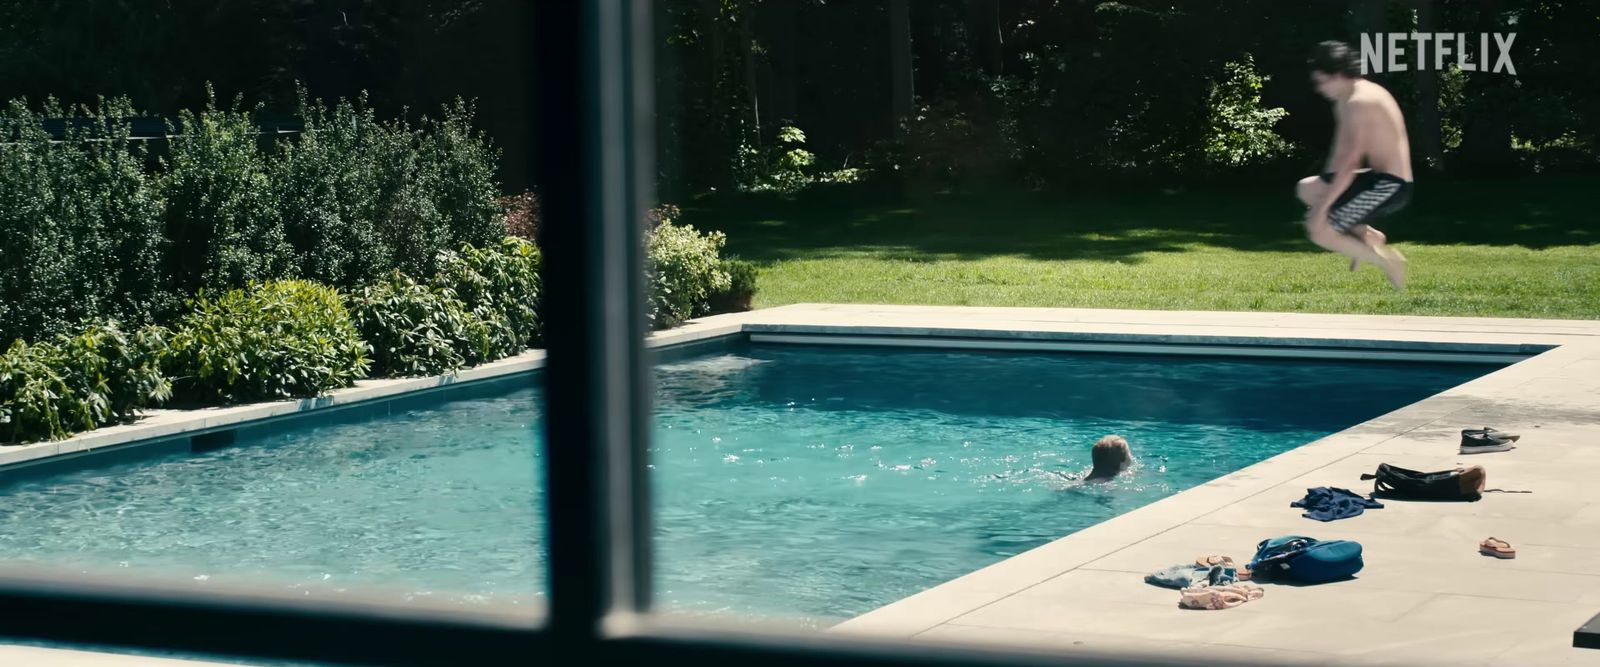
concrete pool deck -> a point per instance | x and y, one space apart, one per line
31 656
1426 595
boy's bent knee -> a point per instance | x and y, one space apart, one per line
1321 233
1309 189
1365 231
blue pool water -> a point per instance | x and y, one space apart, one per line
791 482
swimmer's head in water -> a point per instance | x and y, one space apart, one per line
1111 455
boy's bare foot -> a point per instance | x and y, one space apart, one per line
1372 236
1394 267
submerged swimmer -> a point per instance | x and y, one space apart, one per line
1111 455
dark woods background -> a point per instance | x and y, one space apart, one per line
786 94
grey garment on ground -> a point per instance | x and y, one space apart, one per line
1191 574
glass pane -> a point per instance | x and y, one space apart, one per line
1044 303
270 271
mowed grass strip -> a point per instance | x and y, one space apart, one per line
1476 249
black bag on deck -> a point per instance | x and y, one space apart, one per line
1403 484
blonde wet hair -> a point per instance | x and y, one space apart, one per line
1110 456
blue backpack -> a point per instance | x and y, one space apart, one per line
1306 559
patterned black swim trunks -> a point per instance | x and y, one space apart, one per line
1371 195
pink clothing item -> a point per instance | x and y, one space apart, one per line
1219 597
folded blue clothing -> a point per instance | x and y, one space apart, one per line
1327 504
1191 574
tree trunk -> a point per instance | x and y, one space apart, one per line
900 61
1488 104
711 14
1486 132
984 18
670 106
1429 136
748 57
782 95
1366 16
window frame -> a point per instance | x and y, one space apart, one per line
594 165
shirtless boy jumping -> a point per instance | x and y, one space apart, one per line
1345 198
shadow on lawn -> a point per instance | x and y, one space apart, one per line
1122 226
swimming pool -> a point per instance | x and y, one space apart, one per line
790 481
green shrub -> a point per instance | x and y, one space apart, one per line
683 271
436 189
416 329
31 394
328 188
656 215
1239 128
741 287
99 376
222 219
786 167
36 257
493 336
500 286
124 369
274 340
521 215
403 210
80 222
124 207
943 144
458 165
91 233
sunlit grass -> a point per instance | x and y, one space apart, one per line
1526 251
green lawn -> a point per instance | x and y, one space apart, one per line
1527 249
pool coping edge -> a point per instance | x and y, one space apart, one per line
159 425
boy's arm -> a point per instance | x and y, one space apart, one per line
1346 158
1338 139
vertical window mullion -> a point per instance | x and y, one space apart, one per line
585 159
639 107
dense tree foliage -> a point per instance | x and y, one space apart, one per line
1025 91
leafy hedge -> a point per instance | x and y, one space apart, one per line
416 329
500 286
274 340
223 220
458 169
331 193
95 229
684 270
81 223
92 233
101 375
265 240
741 287
429 188
296 338
522 215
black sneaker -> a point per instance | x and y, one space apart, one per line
1492 432
1481 441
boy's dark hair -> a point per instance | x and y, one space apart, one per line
1334 57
